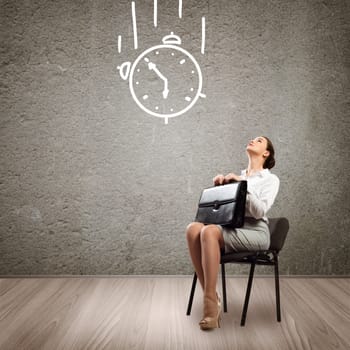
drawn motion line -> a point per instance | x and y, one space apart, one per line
155 11
119 43
134 25
203 36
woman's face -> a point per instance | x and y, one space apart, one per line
258 146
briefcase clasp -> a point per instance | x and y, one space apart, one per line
216 206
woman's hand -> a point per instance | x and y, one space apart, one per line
219 180
231 177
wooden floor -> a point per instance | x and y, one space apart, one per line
149 313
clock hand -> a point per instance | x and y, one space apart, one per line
152 66
165 90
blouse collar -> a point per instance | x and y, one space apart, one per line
260 173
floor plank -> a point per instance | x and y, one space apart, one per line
149 313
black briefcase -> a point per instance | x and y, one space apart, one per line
223 205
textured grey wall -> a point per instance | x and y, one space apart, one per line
91 184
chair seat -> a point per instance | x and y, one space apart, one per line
225 257
259 257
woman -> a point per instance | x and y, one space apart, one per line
205 242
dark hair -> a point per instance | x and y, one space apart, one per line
270 160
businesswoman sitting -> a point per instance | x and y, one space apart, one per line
205 242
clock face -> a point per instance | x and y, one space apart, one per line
165 81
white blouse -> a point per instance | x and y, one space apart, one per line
262 190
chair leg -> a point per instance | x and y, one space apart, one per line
223 279
190 301
249 287
277 287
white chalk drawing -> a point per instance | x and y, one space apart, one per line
165 80
203 35
119 43
180 8
155 13
134 25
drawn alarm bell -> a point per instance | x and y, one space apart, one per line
165 80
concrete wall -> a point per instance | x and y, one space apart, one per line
91 184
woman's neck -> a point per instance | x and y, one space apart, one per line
254 165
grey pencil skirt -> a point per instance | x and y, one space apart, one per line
254 235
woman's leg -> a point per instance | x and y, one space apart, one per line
211 242
193 233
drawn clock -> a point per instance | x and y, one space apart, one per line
165 80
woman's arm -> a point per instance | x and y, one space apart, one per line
258 204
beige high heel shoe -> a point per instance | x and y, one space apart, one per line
212 322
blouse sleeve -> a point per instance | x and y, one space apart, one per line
258 204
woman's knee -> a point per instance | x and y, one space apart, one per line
210 232
193 230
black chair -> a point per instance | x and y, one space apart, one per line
278 229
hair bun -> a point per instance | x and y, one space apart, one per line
270 160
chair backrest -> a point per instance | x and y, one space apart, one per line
278 229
